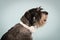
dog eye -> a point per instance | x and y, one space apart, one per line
44 20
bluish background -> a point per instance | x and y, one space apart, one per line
12 10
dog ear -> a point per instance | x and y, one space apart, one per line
30 16
39 8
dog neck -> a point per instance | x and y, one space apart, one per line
31 28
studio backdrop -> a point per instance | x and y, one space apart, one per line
12 10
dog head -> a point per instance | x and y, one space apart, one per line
35 16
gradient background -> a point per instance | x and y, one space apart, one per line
12 10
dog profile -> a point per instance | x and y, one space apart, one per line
33 18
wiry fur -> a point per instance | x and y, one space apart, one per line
18 32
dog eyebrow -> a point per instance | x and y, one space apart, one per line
44 12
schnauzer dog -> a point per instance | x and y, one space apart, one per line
32 19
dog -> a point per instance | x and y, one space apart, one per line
31 20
